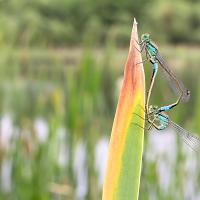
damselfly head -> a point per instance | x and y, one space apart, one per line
145 37
153 109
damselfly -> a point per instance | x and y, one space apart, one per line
160 120
153 55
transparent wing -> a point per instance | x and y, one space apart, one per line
191 140
154 44
176 85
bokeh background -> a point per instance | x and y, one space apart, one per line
61 65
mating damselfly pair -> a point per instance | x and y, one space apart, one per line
155 115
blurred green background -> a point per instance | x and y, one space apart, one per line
61 65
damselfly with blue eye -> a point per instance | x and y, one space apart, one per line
158 119
153 55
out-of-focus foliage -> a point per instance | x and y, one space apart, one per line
61 23
45 95
76 91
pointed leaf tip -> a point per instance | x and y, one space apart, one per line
134 21
122 179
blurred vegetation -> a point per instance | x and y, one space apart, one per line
61 63
60 23
81 99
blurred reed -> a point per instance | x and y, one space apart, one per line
57 108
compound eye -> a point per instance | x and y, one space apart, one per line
143 37
146 36
151 107
155 108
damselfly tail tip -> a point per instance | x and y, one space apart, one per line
186 96
188 92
